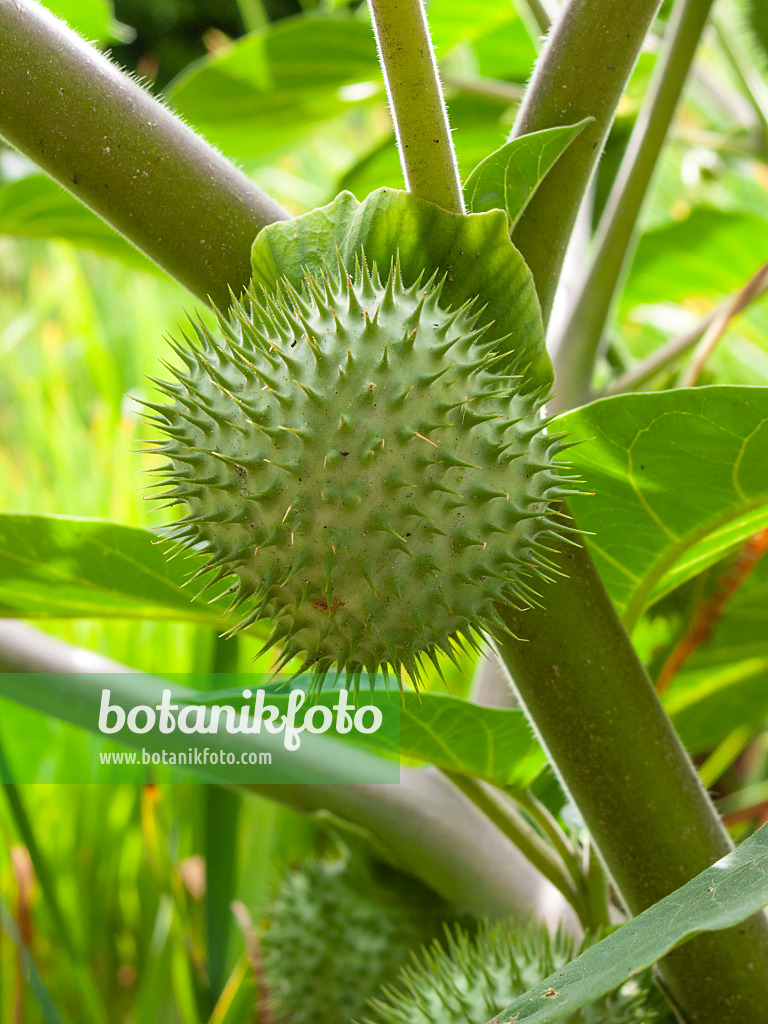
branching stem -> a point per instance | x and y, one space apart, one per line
416 102
578 344
125 155
582 72
499 809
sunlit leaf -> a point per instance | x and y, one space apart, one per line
91 18
709 253
507 179
268 89
495 744
36 207
678 479
62 567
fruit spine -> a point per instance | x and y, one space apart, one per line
366 464
469 979
339 930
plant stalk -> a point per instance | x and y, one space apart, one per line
416 102
582 72
621 761
499 809
578 344
534 16
125 155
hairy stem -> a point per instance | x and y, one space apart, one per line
416 101
578 344
619 757
582 72
125 155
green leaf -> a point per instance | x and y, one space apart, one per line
678 479
722 896
91 18
494 744
724 684
449 24
507 179
506 52
710 253
473 251
757 20
270 88
36 207
62 567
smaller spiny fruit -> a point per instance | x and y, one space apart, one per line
338 930
372 467
469 979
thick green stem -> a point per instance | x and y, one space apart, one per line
125 155
618 756
578 344
582 72
416 101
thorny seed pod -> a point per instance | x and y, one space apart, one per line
469 979
365 464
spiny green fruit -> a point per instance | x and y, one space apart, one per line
367 465
468 980
338 930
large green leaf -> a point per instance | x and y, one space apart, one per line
474 251
495 744
678 478
722 896
724 685
709 253
270 88
507 179
36 207
62 567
